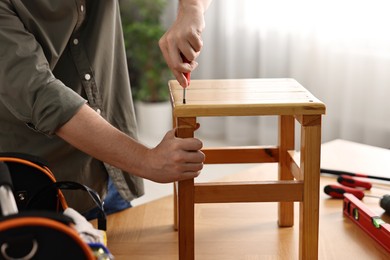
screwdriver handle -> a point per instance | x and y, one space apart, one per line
351 182
337 191
186 74
188 77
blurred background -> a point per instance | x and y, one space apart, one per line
338 50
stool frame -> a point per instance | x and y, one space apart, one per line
298 174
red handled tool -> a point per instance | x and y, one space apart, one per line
188 77
351 182
337 191
354 183
355 210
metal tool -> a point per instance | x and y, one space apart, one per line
367 220
338 191
188 77
350 181
337 172
353 183
184 94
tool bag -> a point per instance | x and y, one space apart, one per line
29 175
35 187
32 225
41 235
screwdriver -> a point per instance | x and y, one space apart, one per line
337 191
188 77
337 172
352 182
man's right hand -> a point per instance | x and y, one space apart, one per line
184 37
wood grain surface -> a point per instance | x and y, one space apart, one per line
234 231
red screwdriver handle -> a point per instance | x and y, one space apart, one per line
351 182
188 77
337 191
186 74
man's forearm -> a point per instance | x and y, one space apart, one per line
173 159
90 133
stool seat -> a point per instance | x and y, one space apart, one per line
298 181
244 97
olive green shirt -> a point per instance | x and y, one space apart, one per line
55 56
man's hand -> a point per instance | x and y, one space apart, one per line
174 159
184 37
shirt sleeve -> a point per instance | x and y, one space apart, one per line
28 88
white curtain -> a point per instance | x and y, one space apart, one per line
338 49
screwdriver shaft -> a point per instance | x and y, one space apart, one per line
336 191
372 196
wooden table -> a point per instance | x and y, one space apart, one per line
249 230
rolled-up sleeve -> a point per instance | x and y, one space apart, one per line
28 88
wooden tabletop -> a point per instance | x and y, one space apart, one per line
249 230
244 97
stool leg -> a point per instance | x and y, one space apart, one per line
310 168
186 220
175 207
186 199
175 193
286 142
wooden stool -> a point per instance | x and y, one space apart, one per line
297 181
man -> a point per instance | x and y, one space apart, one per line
65 94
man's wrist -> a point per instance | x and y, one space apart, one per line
191 5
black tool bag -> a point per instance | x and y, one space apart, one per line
30 175
35 187
32 225
41 235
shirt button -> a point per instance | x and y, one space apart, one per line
87 76
82 8
98 111
75 41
